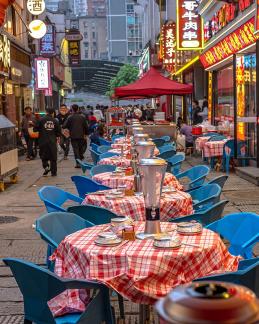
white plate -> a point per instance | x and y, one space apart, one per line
189 228
168 190
108 235
119 220
107 242
169 244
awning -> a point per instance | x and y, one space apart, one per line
152 85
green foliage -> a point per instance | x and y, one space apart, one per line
126 75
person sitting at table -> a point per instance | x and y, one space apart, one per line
186 130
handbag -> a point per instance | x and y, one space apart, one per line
33 134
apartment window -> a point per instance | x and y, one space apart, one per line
130 8
93 35
86 44
86 53
85 34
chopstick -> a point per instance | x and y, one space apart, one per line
189 244
118 247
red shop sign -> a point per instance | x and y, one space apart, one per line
189 26
231 44
169 44
257 17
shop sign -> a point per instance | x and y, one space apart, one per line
189 26
8 88
16 72
73 36
37 28
168 44
224 16
257 17
144 62
5 53
36 7
74 52
47 42
231 44
42 69
27 96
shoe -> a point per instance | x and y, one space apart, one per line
65 157
46 172
77 166
53 174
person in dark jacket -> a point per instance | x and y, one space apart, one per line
28 121
78 128
196 109
64 139
49 133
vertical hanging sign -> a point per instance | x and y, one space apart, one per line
74 52
47 42
189 26
42 69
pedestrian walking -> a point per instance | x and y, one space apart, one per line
64 139
49 134
78 129
28 121
196 118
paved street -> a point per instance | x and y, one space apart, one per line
18 238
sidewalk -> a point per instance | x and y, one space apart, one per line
18 239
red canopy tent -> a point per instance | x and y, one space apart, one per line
152 85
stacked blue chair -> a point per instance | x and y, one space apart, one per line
94 214
204 217
167 154
101 169
114 137
241 230
166 147
54 198
84 165
175 163
86 185
107 155
166 138
196 176
159 142
104 141
220 180
205 196
228 153
103 149
54 227
246 275
94 147
95 156
39 285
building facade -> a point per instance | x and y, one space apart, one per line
94 31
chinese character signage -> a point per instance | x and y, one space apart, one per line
74 52
231 44
189 26
5 54
257 17
42 66
36 7
168 44
47 42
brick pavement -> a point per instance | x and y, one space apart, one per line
19 239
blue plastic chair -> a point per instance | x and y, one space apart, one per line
205 196
220 180
167 154
94 147
114 137
54 198
108 155
166 147
94 214
241 230
95 156
166 138
103 149
216 137
39 285
84 165
54 227
101 169
104 141
204 217
196 175
246 275
85 185
175 163
228 153
158 142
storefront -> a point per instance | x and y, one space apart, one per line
230 58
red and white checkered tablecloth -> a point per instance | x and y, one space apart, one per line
115 160
172 205
114 181
200 141
118 150
122 140
213 148
137 270
118 146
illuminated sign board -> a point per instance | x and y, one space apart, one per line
257 17
231 44
189 26
74 52
168 44
36 7
5 54
47 42
42 67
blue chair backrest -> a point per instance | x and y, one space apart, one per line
205 217
95 156
197 171
166 147
246 275
231 145
238 228
94 147
39 285
217 138
108 155
177 158
167 154
54 198
101 169
114 137
221 180
94 214
166 138
205 192
86 185
104 141
103 149
159 142
84 165
54 227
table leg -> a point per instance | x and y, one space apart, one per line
144 314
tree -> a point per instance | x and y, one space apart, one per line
127 74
